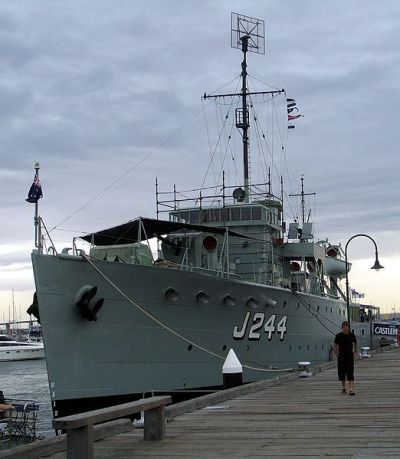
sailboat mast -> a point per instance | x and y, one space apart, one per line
245 121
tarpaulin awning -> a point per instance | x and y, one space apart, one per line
147 228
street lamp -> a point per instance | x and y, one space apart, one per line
377 266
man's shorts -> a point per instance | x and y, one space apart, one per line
346 368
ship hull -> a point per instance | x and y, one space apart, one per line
146 339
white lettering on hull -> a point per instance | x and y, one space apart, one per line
260 323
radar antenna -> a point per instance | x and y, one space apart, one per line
252 28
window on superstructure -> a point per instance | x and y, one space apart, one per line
235 213
224 215
203 216
246 213
256 213
194 216
180 217
215 215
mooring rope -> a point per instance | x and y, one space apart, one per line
316 314
169 329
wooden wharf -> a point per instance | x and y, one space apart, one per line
281 418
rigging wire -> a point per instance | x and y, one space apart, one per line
219 138
262 137
264 82
207 130
316 315
129 171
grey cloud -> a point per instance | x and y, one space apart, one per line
91 89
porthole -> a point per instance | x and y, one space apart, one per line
190 347
202 297
284 304
251 302
171 294
224 347
229 300
269 302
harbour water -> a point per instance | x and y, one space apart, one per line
27 380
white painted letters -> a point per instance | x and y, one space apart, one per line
258 321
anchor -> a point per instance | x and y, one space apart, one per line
83 298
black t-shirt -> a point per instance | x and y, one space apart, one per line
345 343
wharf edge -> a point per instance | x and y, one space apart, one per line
284 417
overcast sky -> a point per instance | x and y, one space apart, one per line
103 91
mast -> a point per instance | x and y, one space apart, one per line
248 35
36 218
245 121
303 201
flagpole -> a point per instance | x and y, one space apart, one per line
36 219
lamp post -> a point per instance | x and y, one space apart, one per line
377 266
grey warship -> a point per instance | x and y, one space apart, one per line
125 319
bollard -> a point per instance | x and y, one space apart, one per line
304 369
232 371
365 352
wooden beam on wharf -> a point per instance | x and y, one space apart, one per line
297 417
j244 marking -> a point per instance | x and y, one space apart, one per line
259 324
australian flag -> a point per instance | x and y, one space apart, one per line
35 191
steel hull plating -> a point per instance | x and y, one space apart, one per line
127 352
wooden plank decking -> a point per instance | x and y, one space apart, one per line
298 418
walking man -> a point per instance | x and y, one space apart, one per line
345 348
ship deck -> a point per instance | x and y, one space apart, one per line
288 418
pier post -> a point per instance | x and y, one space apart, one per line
80 443
154 424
